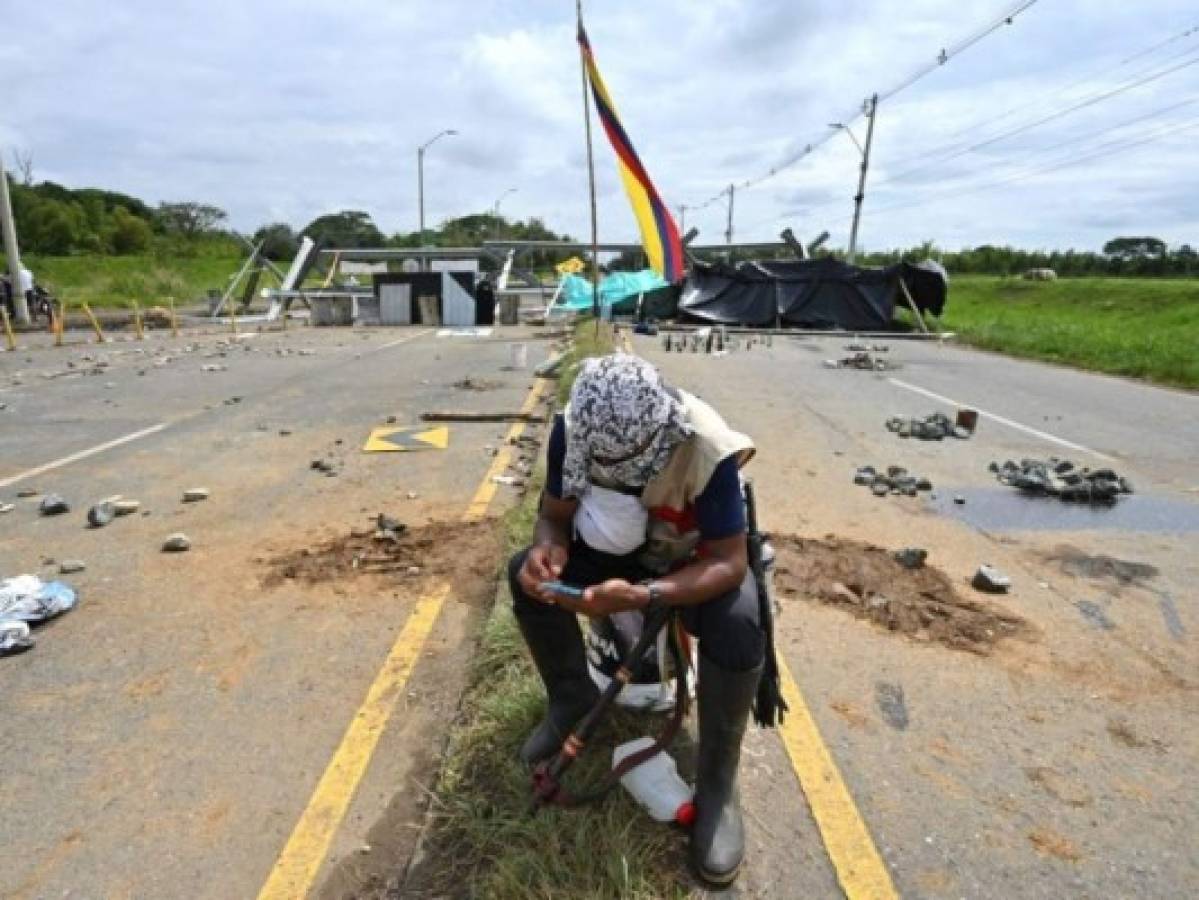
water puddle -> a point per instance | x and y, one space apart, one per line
1004 509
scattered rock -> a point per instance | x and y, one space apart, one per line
911 557
934 427
195 495
959 499
389 525
890 701
6 508
897 480
283 432
100 515
413 570
126 507
862 360
27 492
71 566
990 580
1061 478
176 543
321 465
54 505
412 495
391 420
213 367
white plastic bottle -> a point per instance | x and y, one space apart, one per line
656 784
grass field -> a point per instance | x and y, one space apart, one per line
1139 327
484 835
116 281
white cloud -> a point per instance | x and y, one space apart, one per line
278 110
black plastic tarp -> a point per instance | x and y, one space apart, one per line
818 293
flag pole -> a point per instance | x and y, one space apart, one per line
595 301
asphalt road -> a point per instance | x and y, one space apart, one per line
1057 765
163 739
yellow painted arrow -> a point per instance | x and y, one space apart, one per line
393 440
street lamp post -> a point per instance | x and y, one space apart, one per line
495 211
420 177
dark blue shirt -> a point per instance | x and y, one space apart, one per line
719 512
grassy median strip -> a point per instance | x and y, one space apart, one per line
1139 327
484 842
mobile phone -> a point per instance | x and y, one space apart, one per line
562 590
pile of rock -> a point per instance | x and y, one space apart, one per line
1061 478
862 360
935 427
895 480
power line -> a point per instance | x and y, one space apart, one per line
1042 99
943 56
1029 126
1039 153
1110 149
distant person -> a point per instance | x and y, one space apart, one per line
27 287
485 293
6 296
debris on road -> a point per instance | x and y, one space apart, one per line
1061 478
934 427
195 495
470 383
6 508
463 551
550 367
54 505
869 583
126 507
861 360
895 480
911 557
866 348
29 599
990 580
25 493
101 514
889 698
176 543
510 480
14 637
529 418
71 566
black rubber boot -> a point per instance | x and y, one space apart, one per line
556 644
718 836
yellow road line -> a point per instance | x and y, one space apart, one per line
860 869
301 859
478 506
298 864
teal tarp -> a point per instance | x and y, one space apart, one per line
576 290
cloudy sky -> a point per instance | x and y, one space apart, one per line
285 110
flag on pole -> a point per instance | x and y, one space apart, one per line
659 234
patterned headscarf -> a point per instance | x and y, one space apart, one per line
622 425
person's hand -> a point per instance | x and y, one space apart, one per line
544 562
612 596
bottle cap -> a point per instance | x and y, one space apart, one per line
685 814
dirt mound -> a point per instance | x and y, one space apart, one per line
869 583
464 552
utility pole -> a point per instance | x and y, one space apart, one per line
728 232
871 110
682 218
11 250
595 279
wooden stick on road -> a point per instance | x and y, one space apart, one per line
455 416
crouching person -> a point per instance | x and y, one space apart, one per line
643 502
